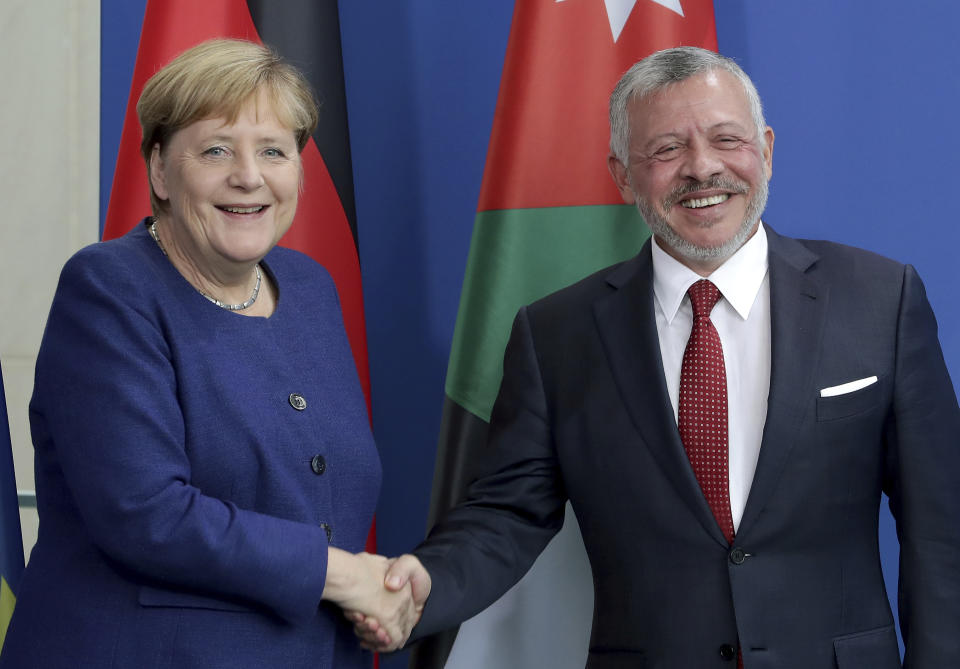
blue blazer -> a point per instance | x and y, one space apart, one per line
186 505
583 414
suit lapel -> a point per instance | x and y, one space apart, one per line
628 330
797 308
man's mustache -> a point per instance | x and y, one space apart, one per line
716 183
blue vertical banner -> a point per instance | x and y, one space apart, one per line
11 542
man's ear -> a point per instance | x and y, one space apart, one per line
768 151
621 178
158 179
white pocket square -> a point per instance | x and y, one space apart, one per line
849 387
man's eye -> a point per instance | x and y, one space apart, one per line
668 152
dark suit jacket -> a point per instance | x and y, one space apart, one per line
583 413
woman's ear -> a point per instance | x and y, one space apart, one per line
158 178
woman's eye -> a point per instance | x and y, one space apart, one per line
273 153
215 152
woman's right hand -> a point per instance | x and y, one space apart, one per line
404 573
355 582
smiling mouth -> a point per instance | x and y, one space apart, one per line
243 210
698 203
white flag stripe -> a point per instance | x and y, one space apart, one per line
553 605
618 11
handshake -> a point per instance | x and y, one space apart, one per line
382 597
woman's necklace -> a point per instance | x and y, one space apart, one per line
222 305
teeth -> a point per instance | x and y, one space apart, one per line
705 201
242 210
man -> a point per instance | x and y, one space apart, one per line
724 443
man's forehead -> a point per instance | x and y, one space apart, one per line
716 81
716 97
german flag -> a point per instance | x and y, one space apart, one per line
307 34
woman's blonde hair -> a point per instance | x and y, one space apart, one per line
218 78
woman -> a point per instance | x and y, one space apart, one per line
205 469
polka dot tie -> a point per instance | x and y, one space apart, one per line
702 413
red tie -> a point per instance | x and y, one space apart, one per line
702 414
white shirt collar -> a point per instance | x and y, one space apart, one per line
739 278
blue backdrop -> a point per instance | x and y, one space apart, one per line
863 101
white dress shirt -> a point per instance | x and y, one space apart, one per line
742 319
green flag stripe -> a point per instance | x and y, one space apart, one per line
7 602
518 256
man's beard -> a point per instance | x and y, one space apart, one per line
661 228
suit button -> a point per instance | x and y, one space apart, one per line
297 402
738 555
318 464
328 530
727 652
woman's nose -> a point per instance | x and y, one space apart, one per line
246 173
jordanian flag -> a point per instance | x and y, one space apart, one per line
11 543
549 214
307 34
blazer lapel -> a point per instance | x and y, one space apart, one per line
628 330
797 309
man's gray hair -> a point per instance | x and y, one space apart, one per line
665 68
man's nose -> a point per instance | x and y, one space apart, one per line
701 162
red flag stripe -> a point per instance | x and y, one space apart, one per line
546 153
